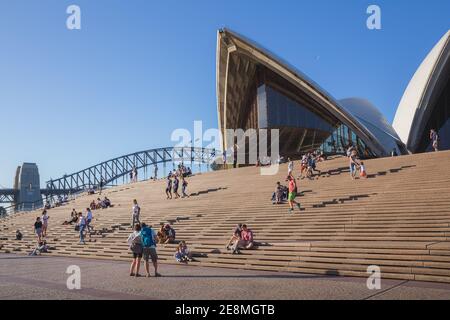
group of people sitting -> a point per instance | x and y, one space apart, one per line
166 234
242 238
100 204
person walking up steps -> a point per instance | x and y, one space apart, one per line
169 187
135 213
81 226
88 221
148 238
44 219
292 194
434 137
290 166
38 229
175 186
184 185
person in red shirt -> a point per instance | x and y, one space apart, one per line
292 194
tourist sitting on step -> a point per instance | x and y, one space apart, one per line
235 237
107 203
183 254
19 235
47 206
280 194
246 241
73 218
42 247
166 235
93 205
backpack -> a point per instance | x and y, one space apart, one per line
147 238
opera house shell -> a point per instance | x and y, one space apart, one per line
257 90
426 102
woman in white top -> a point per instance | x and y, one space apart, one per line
44 219
135 243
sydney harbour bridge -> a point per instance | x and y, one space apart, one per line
27 194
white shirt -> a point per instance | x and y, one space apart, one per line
132 238
136 211
44 218
291 166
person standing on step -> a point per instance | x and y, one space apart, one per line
135 244
290 166
81 227
88 221
354 163
292 194
44 220
434 137
135 214
175 186
148 238
169 187
38 229
155 172
184 185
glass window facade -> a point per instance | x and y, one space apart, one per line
285 112
339 141
440 121
302 130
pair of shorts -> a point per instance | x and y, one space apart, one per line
292 196
150 253
352 167
137 255
38 232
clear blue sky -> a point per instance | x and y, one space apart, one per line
139 69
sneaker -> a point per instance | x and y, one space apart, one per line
138 275
290 210
157 274
131 274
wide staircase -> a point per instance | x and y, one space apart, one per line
398 219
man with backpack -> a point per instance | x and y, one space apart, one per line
148 238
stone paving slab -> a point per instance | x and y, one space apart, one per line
43 277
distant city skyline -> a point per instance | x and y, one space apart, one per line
137 71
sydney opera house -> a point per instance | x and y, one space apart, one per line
258 90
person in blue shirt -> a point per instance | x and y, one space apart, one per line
81 226
148 238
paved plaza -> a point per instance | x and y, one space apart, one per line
23 277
